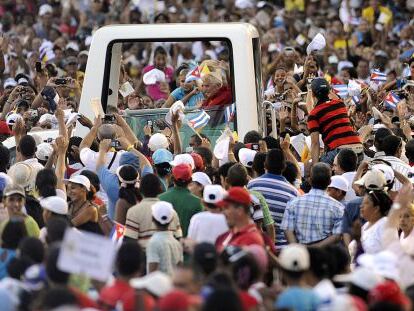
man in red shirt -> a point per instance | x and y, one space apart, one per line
236 205
216 94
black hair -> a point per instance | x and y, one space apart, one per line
275 161
160 50
339 259
391 144
409 150
53 272
319 263
223 299
4 158
290 172
150 186
352 72
129 192
156 18
56 297
236 149
56 227
13 233
321 176
18 266
259 163
252 137
129 259
93 178
27 146
73 141
206 154
245 271
358 292
197 139
224 169
181 183
379 137
32 248
237 176
46 182
271 142
163 169
207 264
386 306
382 200
347 160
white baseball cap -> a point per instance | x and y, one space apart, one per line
384 264
373 180
157 283
246 156
339 182
12 118
387 170
55 204
213 194
201 178
45 9
362 277
163 212
158 141
183 158
43 152
295 258
80 180
72 45
9 82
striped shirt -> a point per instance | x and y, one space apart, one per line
313 217
277 192
399 166
331 120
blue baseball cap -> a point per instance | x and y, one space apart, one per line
129 158
162 156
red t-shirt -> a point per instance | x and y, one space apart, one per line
247 301
223 97
83 300
246 236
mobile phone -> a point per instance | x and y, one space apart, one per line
109 119
115 144
51 97
255 147
150 124
49 140
61 81
38 67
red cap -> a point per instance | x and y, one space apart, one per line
177 300
198 161
182 172
4 128
237 195
388 291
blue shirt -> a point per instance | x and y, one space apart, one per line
351 213
6 255
297 299
179 94
277 192
313 217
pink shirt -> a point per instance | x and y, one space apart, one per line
153 90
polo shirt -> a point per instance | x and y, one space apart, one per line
185 204
207 226
139 225
249 235
165 250
277 192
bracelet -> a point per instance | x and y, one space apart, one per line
396 206
130 147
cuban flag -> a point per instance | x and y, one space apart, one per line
229 112
378 76
117 233
200 120
391 101
341 90
355 100
193 75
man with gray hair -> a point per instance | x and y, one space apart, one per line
214 90
314 218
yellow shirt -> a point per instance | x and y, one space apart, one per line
291 5
369 14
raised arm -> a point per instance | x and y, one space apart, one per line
129 134
315 147
89 138
176 125
62 146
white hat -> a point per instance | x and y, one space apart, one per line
84 52
178 106
55 204
339 182
9 82
153 76
80 180
362 277
48 117
157 283
295 258
343 64
23 175
387 170
244 4
201 178
333 59
246 156
45 9
72 45
43 152
183 158
318 43
158 141
373 180
213 194
163 212
12 118
384 264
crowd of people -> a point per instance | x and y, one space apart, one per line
319 218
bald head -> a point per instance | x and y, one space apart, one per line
321 176
106 131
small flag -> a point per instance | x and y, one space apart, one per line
355 100
229 112
193 75
391 101
200 120
378 76
117 233
205 70
341 90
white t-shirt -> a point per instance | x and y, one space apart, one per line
350 194
206 227
371 237
89 158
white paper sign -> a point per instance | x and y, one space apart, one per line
87 253
126 89
97 107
